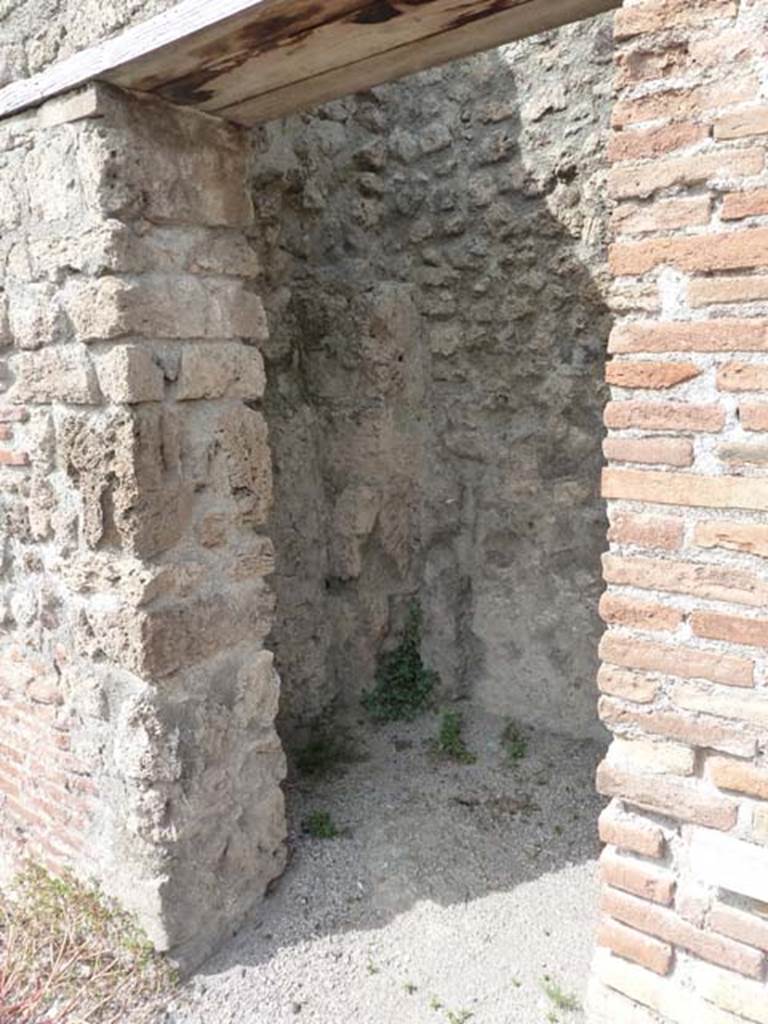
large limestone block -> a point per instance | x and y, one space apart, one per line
59 373
98 246
54 179
166 165
128 373
91 250
189 632
157 641
126 469
73 106
221 370
34 316
202 251
131 581
162 306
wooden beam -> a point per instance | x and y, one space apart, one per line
515 22
253 60
160 36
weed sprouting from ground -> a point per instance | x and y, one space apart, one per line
68 956
561 999
450 742
320 825
458 1017
514 742
404 685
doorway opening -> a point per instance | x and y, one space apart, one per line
436 281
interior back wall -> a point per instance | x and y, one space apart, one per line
436 281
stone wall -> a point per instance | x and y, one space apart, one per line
136 699
434 326
684 680
435 432
436 286
36 33
436 293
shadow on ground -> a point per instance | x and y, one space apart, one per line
454 892
451 889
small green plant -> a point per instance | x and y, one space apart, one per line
561 999
404 685
372 968
410 988
320 825
460 1017
435 1004
514 742
450 742
68 954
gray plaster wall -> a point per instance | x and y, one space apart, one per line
436 285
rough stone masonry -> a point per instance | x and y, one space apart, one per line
436 285
435 279
138 699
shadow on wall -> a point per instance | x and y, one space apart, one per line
435 261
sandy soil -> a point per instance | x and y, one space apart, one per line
453 892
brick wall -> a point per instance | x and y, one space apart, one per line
684 681
47 792
137 703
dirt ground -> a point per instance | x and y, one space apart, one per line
452 893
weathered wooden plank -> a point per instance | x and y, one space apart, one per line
220 60
514 22
219 75
161 37
251 60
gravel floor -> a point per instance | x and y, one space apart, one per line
453 893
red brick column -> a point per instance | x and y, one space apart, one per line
684 928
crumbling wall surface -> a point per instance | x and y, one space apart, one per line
685 676
435 261
36 33
136 699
